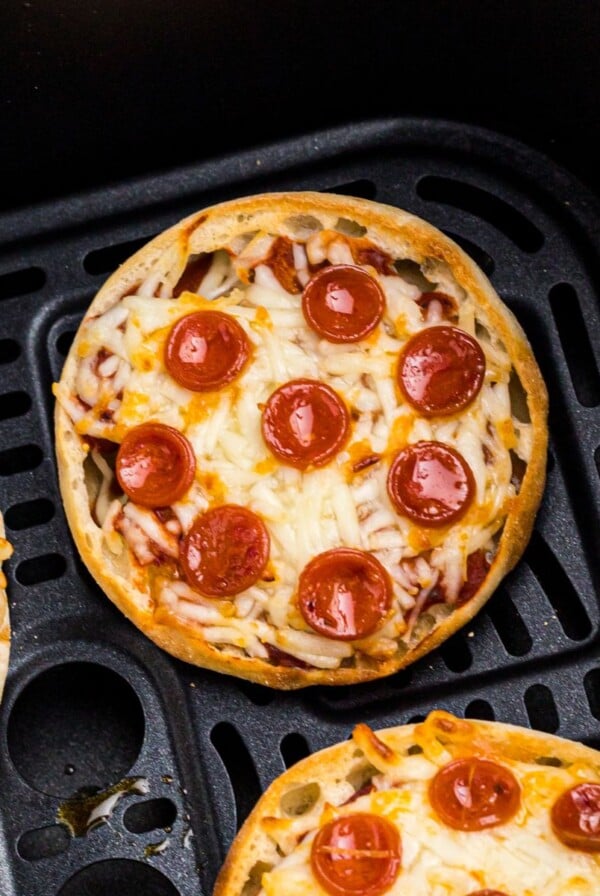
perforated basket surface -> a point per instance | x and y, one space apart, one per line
89 700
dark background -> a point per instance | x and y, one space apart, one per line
97 91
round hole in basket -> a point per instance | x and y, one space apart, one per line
76 725
122 876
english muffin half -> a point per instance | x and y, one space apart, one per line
447 806
300 439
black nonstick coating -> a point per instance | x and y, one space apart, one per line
90 703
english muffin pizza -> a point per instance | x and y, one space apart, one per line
300 439
5 552
443 808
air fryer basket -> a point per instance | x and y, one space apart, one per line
90 703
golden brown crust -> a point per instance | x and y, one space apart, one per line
5 552
395 231
330 766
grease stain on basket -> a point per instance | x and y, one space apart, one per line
155 849
84 812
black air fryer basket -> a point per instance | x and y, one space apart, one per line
182 754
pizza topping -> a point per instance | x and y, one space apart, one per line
487 893
344 594
474 794
437 306
343 303
575 817
195 271
441 370
281 262
368 254
155 465
206 350
281 658
225 551
305 423
358 853
431 484
478 566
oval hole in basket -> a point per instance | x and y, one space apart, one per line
105 260
20 283
75 725
293 748
479 255
64 342
558 588
456 654
362 188
150 815
509 624
9 351
469 198
18 460
257 693
480 709
14 404
41 569
29 513
122 877
576 344
541 708
43 843
592 690
239 766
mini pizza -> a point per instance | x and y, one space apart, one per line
5 552
300 439
443 808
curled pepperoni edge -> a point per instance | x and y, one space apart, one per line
404 508
312 300
391 843
189 375
444 334
184 456
290 455
262 542
566 807
445 780
313 576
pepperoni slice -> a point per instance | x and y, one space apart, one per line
473 794
344 594
225 551
155 465
575 817
356 854
305 423
441 370
343 303
431 484
206 350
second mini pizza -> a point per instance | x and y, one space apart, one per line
300 439
447 807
